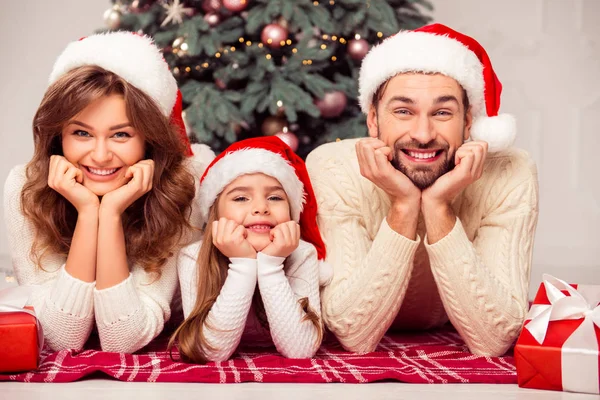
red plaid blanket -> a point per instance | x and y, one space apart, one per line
438 356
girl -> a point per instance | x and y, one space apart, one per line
95 217
258 202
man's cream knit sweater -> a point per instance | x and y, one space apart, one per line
477 276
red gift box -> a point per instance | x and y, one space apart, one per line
558 348
19 347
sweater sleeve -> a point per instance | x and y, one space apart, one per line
370 272
484 283
63 304
293 334
226 319
132 313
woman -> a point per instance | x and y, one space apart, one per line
96 218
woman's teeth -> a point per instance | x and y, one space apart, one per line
97 171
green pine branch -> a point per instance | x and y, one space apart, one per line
227 83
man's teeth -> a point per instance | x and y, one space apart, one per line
102 171
421 155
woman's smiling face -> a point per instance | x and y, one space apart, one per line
101 142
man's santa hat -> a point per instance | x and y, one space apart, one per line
439 49
137 60
268 155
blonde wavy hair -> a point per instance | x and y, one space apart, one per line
156 222
212 270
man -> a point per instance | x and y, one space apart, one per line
433 216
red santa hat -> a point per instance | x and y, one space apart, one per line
268 155
438 49
137 60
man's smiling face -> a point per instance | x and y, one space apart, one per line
422 117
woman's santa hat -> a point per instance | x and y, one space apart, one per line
137 60
268 155
439 49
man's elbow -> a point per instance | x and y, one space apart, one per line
352 337
493 346
490 349
360 346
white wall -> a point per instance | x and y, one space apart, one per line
549 64
32 34
548 61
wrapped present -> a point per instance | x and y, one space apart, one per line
21 337
558 348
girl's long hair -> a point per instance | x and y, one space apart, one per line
212 270
155 223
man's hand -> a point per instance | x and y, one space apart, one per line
374 161
437 199
469 160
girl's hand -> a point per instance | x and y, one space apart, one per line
141 174
231 239
285 238
67 180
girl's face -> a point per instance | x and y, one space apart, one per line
101 142
258 202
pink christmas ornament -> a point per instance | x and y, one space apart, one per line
273 35
332 104
289 138
235 5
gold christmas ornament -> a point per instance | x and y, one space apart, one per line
180 47
112 18
271 125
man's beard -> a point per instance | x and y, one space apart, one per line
423 176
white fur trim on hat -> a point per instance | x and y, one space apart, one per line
251 161
409 51
499 132
133 57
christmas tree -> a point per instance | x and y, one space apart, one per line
263 67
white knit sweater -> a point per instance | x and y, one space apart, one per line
127 315
280 284
477 276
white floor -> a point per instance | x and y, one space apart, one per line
101 389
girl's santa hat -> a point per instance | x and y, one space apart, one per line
438 49
268 155
137 60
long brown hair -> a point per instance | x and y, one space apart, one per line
212 270
155 223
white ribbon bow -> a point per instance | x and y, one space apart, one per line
580 351
13 299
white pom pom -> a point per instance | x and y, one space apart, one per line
499 132
202 157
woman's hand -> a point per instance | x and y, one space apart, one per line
141 174
67 180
